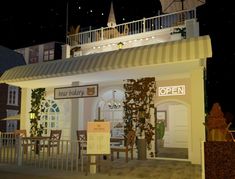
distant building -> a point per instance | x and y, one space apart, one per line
10 95
42 52
11 98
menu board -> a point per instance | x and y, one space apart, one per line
98 138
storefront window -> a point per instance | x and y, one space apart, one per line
112 110
50 116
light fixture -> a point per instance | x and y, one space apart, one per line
120 45
114 103
32 115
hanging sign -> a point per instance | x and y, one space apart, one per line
76 92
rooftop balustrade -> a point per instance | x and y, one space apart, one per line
131 28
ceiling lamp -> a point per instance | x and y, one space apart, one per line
114 103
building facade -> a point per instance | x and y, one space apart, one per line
177 63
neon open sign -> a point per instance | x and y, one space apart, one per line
171 90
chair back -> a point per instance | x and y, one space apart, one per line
55 134
130 139
81 135
21 133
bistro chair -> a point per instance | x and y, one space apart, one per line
21 133
128 147
82 139
53 142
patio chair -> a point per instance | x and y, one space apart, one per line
21 133
128 147
25 143
53 142
82 138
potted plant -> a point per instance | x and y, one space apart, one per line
216 126
160 132
219 145
178 33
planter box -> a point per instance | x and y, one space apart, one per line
219 160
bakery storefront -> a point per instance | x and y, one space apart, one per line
178 67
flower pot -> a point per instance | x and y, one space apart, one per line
160 143
176 36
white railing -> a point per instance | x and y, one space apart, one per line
27 152
131 28
8 152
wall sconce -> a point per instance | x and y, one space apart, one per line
120 45
32 115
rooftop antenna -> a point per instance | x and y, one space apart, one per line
67 20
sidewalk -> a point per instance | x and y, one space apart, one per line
14 172
134 169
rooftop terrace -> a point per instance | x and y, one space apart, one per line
145 31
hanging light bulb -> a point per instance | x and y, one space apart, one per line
114 103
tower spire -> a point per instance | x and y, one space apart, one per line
111 19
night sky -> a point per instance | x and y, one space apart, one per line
25 23
34 22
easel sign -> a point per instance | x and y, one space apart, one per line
98 138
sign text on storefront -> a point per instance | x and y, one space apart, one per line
76 92
171 90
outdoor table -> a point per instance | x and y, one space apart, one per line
36 141
118 140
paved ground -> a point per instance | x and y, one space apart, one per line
135 169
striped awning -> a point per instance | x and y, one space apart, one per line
161 53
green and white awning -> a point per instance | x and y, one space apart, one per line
143 56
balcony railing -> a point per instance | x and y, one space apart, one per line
131 28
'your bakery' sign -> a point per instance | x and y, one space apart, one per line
76 92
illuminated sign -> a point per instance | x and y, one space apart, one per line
171 90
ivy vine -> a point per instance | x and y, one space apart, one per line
139 99
37 96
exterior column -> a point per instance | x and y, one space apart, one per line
25 109
74 115
198 115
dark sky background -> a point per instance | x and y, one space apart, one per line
25 23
